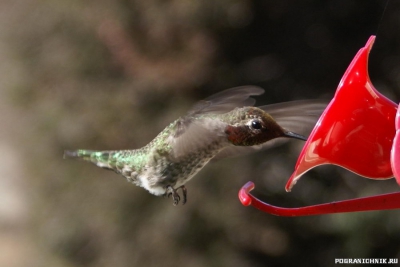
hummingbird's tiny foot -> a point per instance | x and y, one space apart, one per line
184 193
176 200
175 196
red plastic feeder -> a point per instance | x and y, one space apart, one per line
356 130
359 131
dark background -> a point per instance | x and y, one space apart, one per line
112 74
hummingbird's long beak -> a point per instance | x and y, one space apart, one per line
294 135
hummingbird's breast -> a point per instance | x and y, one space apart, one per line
176 172
179 158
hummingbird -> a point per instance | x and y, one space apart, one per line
221 125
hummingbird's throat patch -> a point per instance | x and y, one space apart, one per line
241 136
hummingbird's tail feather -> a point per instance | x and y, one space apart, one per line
99 158
70 154
79 154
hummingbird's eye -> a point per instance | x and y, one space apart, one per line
256 124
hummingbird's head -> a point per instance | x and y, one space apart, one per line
254 127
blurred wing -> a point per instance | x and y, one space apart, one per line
192 131
295 116
226 100
196 135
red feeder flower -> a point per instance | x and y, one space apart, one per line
359 131
356 130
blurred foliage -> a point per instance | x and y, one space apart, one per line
112 74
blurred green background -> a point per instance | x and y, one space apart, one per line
111 74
